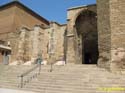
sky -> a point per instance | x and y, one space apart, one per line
52 10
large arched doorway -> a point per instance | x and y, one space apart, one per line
87 35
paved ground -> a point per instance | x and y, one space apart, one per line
3 90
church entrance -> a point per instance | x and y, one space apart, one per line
86 37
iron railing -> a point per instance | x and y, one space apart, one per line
27 76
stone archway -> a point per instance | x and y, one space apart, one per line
86 36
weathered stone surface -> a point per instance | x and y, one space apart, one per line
118 59
21 48
14 15
104 33
111 30
55 42
117 17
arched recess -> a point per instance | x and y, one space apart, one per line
86 37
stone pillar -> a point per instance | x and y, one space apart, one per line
27 46
104 33
117 23
35 43
70 56
111 26
41 40
20 53
45 38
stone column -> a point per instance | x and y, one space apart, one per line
35 43
20 53
111 27
41 40
27 46
70 44
117 23
104 33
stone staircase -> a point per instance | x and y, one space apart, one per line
64 79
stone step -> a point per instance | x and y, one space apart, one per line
56 77
53 87
63 79
110 82
55 69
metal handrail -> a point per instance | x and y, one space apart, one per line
22 81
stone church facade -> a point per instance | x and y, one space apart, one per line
94 34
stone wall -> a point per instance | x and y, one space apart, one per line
25 18
60 41
22 44
7 20
15 16
111 27
13 38
13 19
56 40
104 33
28 43
117 17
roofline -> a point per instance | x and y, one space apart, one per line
72 8
58 23
26 8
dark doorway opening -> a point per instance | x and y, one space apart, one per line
86 26
87 58
90 48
